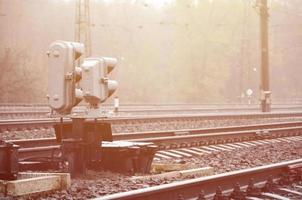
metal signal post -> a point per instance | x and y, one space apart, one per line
82 25
264 49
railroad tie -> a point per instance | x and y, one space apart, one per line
259 142
278 139
299 138
159 155
179 151
219 148
284 140
253 198
270 141
201 150
192 151
234 146
275 141
291 191
298 186
226 147
275 196
170 154
265 141
243 145
249 143
209 149
292 139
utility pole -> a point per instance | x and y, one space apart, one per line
82 25
264 49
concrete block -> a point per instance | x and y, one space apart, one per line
64 177
29 183
204 171
32 185
169 167
157 176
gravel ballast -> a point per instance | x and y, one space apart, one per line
96 184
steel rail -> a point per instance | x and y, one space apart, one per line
11 111
174 141
145 111
47 122
41 105
192 140
190 189
256 129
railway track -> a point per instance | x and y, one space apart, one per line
256 129
160 122
254 184
42 111
98 184
181 142
189 152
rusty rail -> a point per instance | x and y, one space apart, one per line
194 140
191 189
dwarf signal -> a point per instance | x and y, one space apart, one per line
69 83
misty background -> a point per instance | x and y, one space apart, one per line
169 51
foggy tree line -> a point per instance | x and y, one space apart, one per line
177 52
